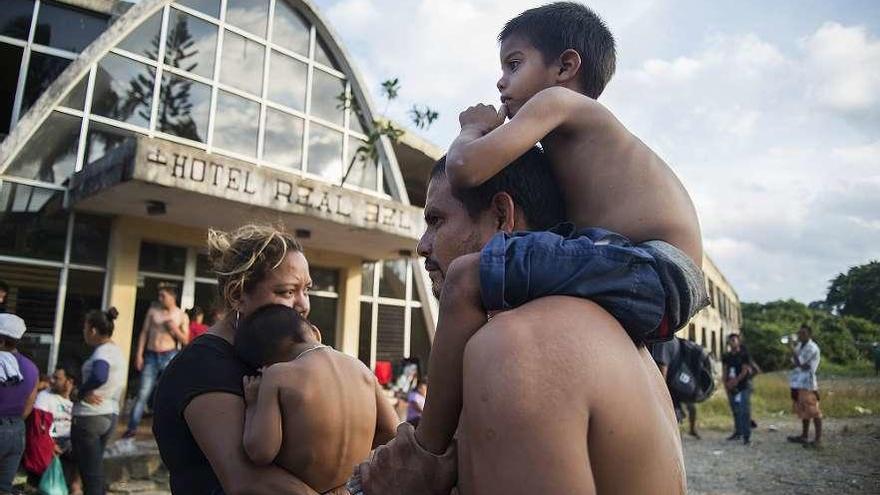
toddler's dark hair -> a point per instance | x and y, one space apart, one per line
559 26
264 337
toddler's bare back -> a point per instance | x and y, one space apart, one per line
328 408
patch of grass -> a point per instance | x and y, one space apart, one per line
840 396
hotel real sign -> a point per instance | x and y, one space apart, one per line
183 167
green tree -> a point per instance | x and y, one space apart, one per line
857 292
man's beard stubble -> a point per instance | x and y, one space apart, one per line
473 243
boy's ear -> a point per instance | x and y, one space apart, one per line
569 66
504 211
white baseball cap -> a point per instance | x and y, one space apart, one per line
12 325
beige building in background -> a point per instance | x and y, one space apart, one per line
722 317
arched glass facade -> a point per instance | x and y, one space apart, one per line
249 79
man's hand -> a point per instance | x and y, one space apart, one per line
139 362
92 398
483 118
251 385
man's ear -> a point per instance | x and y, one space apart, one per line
569 66
504 211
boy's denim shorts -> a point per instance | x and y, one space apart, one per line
652 288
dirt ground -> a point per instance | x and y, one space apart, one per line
849 463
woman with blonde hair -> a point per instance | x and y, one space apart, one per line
199 404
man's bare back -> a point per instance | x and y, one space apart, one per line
553 407
317 416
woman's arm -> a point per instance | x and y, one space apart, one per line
262 424
29 403
216 421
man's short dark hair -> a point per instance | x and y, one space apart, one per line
559 26
4 286
69 371
167 287
265 335
528 180
806 327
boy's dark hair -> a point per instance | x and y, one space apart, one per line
264 337
530 182
4 286
195 311
559 26
102 321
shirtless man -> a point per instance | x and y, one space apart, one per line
165 326
557 398
315 412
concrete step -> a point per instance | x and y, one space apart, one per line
134 467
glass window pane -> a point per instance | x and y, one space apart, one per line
123 90
322 54
419 341
235 126
10 64
210 7
361 169
367 270
364 333
85 291
15 18
32 296
162 258
323 316
42 71
324 279
77 96
288 78
284 139
204 267
107 142
66 27
191 44
389 338
250 15
328 94
50 154
184 106
355 121
144 40
90 236
392 280
33 223
325 153
290 30
242 64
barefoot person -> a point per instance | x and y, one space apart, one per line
315 412
200 409
557 397
165 329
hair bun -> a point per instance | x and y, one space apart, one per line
112 313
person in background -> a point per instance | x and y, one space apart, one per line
94 416
165 330
56 401
17 394
4 292
738 382
876 353
44 383
196 322
416 402
666 354
805 356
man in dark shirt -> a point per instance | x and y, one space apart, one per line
738 382
666 355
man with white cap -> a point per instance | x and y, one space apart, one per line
17 394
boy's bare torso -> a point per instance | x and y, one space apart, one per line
605 425
318 393
614 181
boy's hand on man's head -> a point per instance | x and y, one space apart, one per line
483 118
251 385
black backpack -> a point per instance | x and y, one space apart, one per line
691 377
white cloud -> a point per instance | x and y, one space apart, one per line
846 61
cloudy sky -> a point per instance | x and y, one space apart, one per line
769 112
